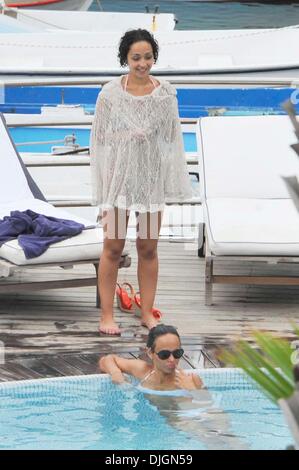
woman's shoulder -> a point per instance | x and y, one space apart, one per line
110 87
168 87
141 368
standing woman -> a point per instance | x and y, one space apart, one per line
138 163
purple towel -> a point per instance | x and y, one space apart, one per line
36 232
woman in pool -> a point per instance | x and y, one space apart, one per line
137 163
164 350
181 398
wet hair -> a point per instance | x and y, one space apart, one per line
157 331
132 36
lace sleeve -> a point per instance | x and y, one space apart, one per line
174 125
177 183
100 121
98 145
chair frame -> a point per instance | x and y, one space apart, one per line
211 278
8 269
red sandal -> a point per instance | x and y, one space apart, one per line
156 313
124 301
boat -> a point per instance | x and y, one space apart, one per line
48 4
209 53
93 21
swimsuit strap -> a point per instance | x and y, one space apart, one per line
127 78
152 82
147 376
126 82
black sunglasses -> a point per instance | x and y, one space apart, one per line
165 354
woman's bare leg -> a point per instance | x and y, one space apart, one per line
148 229
115 222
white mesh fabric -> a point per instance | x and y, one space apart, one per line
136 149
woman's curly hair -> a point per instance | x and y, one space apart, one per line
132 36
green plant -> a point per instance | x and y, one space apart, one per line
268 362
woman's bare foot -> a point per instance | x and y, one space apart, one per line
149 321
109 327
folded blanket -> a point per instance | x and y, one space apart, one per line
36 232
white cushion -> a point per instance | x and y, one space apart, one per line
13 182
244 157
252 227
87 245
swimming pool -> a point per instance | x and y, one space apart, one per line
89 412
45 134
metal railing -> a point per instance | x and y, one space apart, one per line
175 80
40 121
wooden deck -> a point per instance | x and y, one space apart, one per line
54 333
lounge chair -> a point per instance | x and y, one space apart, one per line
248 213
18 191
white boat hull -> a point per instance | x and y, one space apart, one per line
50 5
191 53
95 21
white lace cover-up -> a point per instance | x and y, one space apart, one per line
136 149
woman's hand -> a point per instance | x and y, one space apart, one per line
187 381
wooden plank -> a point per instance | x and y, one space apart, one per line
43 369
256 280
12 287
15 371
68 365
257 259
7 375
15 283
58 364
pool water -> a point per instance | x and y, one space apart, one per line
44 134
90 412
